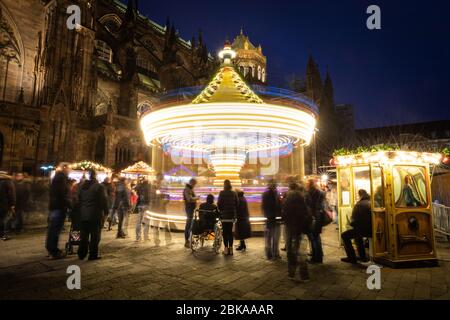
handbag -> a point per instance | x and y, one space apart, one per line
327 217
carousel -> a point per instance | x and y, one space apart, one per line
399 184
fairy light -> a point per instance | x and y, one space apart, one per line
395 157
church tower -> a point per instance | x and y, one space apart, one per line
250 61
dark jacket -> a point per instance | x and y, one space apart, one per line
93 201
189 198
362 218
23 190
7 194
122 199
208 213
59 193
143 192
243 229
228 203
109 193
315 200
271 205
296 214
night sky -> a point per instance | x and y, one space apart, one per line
399 74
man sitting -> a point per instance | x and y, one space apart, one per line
208 213
362 227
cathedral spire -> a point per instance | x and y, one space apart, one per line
313 80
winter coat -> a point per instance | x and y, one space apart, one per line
296 214
243 229
315 200
122 199
143 193
271 205
228 203
7 194
362 218
189 198
59 193
23 190
109 193
208 213
93 201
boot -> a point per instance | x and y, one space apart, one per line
230 251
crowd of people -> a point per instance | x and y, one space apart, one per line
298 215
15 194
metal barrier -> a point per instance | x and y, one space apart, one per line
441 217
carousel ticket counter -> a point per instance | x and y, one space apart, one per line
400 190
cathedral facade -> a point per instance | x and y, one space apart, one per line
71 95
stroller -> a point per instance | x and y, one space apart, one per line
74 232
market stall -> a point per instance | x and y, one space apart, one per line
138 170
80 169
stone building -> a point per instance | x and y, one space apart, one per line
70 95
250 60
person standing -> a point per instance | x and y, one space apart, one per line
7 203
107 185
315 199
23 190
143 203
243 228
190 203
228 204
297 219
271 207
94 209
361 222
59 205
122 205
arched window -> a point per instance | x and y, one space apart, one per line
263 75
144 63
103 51
251 71
241 69
259 72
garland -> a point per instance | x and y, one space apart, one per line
358 150
86 165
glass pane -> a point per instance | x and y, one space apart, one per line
361 180
410 186
377 187
344 175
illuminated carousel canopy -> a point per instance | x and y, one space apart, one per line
228 115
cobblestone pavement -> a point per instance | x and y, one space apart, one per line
130 270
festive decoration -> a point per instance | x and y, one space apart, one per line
375 148
139 168
86 165
388 157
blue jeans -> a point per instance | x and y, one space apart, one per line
272 240
316 247
56 220
142 220
189 222
296 253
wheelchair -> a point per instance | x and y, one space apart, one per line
204 231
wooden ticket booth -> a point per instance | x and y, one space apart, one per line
399 185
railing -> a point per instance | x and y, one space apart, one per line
441 217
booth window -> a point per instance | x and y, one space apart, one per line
344 186
377 187
361 181
410 186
